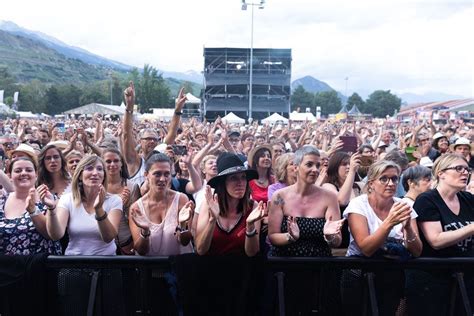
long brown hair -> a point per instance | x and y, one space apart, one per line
77 187
44 176
244 206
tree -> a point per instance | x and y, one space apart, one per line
32 97
154 91
328 101
356 100
188 87
53 100
7 82
382 103
301 98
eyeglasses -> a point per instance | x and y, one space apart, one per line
150 139
384 179
459 169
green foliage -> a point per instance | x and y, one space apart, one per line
381 103
32 97
356 100
301 98
7 81
328 101
9 101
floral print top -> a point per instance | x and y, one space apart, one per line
18 236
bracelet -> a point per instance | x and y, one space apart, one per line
178 113
52 208
129 111
181 230
290 238
144 236
101 218
330 241
252 233
413 239
36 212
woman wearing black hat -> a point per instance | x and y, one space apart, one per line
229 221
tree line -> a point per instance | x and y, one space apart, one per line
39 97
380 103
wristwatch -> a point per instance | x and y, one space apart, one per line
178 113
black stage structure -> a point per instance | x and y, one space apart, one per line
227 82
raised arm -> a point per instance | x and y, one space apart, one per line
208 214
178 108
128 139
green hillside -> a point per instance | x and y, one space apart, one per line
27 59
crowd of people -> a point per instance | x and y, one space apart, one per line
102 187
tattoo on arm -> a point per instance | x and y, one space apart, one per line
279 200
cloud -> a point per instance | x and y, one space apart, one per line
421 45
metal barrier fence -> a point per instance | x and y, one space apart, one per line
203 273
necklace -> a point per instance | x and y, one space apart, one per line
262 182
228 230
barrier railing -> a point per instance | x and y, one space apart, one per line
279 267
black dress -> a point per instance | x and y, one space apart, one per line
311 242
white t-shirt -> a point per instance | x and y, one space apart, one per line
360 205
83 229
139 176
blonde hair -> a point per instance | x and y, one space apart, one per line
281 163
444 162
377 169
76 185
204 160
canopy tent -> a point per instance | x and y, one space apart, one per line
233 119
354 111
191 99
26 114
307 116
274 118
5 109
93 108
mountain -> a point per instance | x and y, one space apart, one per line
61 47
83 55
29 59
314 85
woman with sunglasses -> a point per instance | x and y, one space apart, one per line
381 225
446 221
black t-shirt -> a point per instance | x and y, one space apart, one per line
181 187
430 207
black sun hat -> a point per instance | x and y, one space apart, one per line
228 164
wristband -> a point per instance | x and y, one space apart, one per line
252 233
129 111
413 239
178 113
144 236
290 238
330 241
36 212
101 218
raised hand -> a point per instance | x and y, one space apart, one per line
139 218
333 227
257 213
100 198
186 213
293 228
46 197
180 100
355 162
31 200
125 195
212 203
129 95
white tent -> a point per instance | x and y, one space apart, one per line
233 119
274 118
307 116
26 114
191 99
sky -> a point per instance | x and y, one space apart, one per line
407 46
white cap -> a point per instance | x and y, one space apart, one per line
426 162
438 135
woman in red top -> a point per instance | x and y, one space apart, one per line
229 221
260 159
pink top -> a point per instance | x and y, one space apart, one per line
163 241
